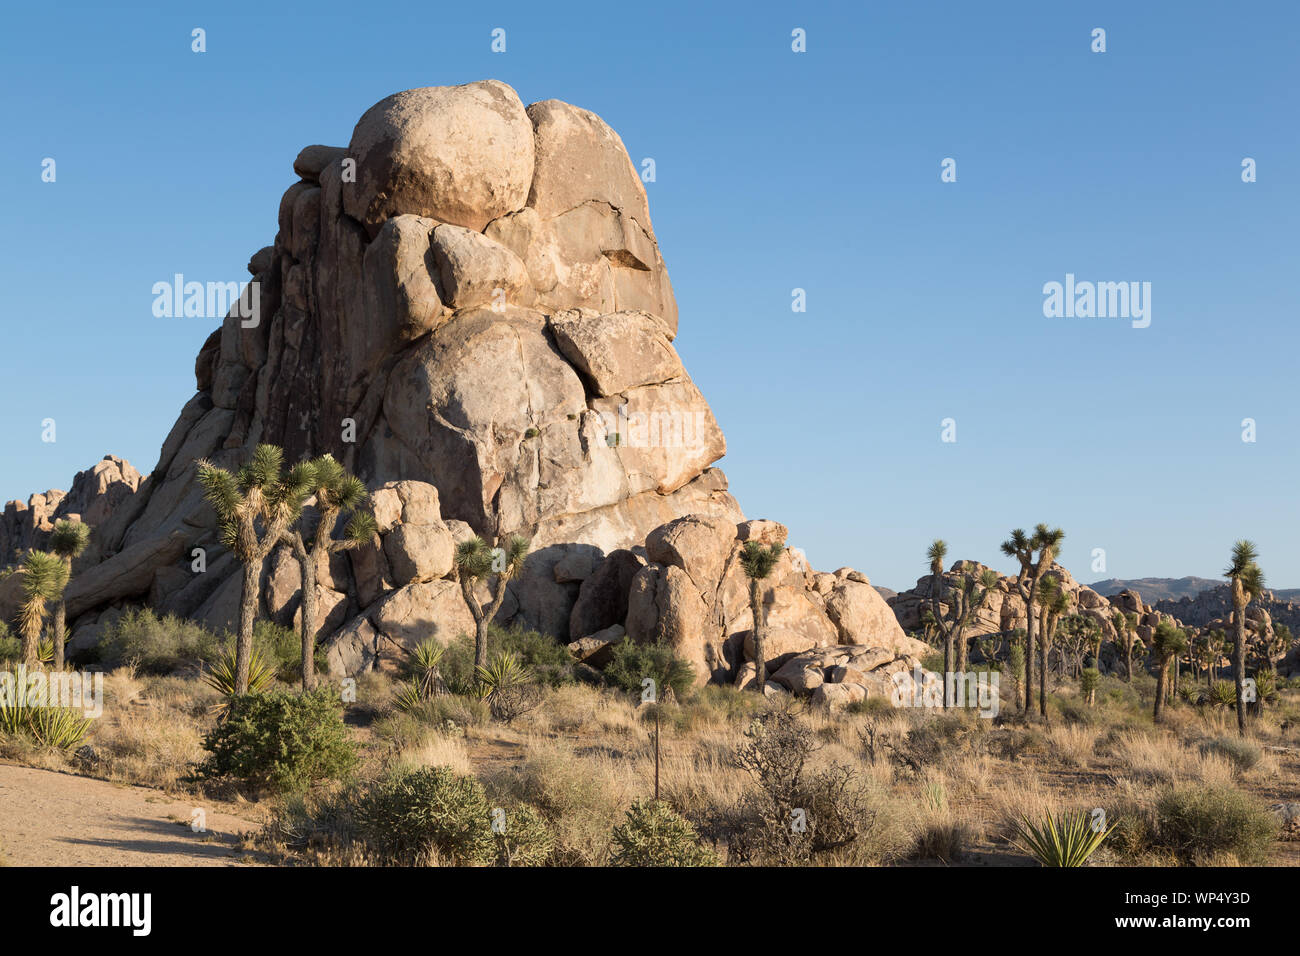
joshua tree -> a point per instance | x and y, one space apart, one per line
1126 629
1046 543
1054 602
1247 581
757 562
963 601
260 494
67 541
475 562
337 493
44 578
1167 644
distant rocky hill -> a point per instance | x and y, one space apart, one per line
1157 589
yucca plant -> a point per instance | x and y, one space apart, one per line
424 667
61 728
220 675
43 579
1167 644
1065 840
757 562
1222 694
45 652
508 687
68 540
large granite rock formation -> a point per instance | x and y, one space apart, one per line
467 306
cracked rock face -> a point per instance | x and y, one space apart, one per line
468 296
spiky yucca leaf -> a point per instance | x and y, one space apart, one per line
26 714
474 558
1065 840
361 527
220 489
504 672
757 561
69 538
220 675
45 650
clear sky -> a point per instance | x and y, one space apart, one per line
776 170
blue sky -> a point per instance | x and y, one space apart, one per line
775 170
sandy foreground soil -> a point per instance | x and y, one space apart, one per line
58 819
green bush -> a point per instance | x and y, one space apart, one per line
10 646
1199 822
282 648
1243 753
548 659
633 662
526 839
654 834
409 814
280 741
159 645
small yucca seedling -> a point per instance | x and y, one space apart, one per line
220 675
409 696
504 672
45 651
59 727
1067 840
424 663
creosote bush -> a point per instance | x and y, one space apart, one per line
1196 823
654 834
280 741
410 815
633 663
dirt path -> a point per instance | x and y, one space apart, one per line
58 819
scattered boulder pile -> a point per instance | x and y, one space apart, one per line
1003 610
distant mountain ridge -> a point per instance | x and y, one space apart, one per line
1157 589
1172 589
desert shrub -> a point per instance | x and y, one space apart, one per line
1196 823
943 840
158 645
280 741
508 687
10 646
1242 753
524 838
433 810
794 812
633 662
654 834
548 659
282 648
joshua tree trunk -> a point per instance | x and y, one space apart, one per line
947 670
1160 690
58 626
247 612
760 662
1128 661
1029 663
1042 674
307 562
1239 653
